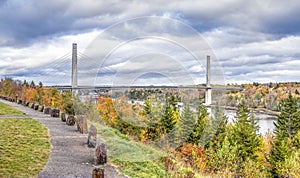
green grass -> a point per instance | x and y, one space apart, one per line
24 147
133 158
8 110
141 169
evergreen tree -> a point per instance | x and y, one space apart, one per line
218 124
151 131
186 122
147 107
170 115
288 122
25 83
280 151
244 135
40 84
286 127
225 159
153 113
291 165
270 85
32 84
201 122
183 127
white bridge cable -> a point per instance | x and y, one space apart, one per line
90 71
55 72
93 65
109 72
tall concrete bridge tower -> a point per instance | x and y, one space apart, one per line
208 87
74 65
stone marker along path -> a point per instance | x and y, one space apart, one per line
70 156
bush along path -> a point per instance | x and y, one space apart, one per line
70 155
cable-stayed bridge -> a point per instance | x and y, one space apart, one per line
63 64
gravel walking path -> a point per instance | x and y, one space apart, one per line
70 157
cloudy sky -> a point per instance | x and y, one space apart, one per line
139 42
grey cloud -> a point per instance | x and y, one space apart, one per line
26 21
285 70
249 37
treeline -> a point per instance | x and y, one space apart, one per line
29 92
266 95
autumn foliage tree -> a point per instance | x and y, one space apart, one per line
108 111
67 102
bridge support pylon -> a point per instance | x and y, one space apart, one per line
74 65
208 87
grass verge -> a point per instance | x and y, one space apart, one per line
8 110
24 147
133 158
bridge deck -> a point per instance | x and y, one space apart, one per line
143 87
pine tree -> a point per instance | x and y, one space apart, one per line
152 131
225 160
40 84
147 107
270 85
25 83
199 127
170 115
183 127
218 124
147 111
244 135
280 151
32 84
187 121
286 127
288 122
153 112
291 164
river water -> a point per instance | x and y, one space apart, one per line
265 121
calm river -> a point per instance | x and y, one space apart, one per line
265 121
